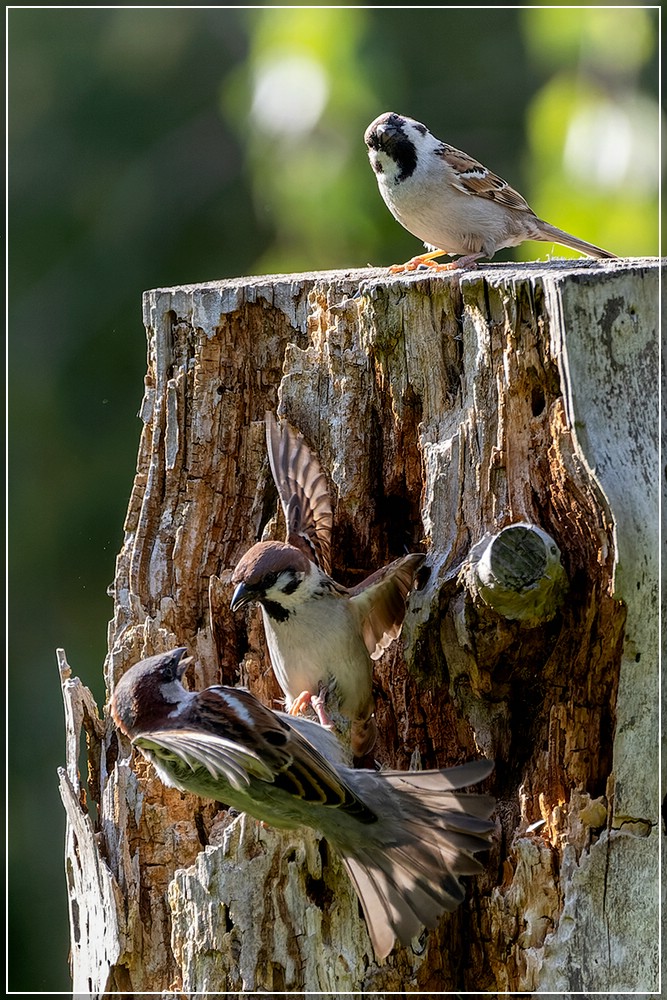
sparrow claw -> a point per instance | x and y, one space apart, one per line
421 260
470 260
300 702
426 261
318 702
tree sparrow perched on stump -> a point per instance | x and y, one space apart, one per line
320 634
449 200
405 837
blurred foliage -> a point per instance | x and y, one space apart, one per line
593 126
157 146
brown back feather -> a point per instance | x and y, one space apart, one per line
475 178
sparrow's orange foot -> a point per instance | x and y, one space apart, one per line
470 260
316 701
428 260
300 703
421 260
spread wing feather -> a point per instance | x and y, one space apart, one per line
379 601
303 490
253 743
222 758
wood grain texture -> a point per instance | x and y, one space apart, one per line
442 408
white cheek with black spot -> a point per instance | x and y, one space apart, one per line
376 161
293 587
286 584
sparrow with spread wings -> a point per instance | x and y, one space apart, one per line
405 837
322 637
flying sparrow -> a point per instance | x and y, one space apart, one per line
451 201
405 837
320 635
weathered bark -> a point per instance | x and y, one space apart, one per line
444 408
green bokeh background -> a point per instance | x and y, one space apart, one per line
158 147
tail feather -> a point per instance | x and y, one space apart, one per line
439 792
439 855
548 233
395 903
450 779
410 874
468 822
435 849
381 917
422 887
454 849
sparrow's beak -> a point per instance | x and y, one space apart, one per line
184 661
242 595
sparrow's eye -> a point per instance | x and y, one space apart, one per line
269 581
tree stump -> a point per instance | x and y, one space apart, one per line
445 409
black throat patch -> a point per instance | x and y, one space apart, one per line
404 153
395 143
275 611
